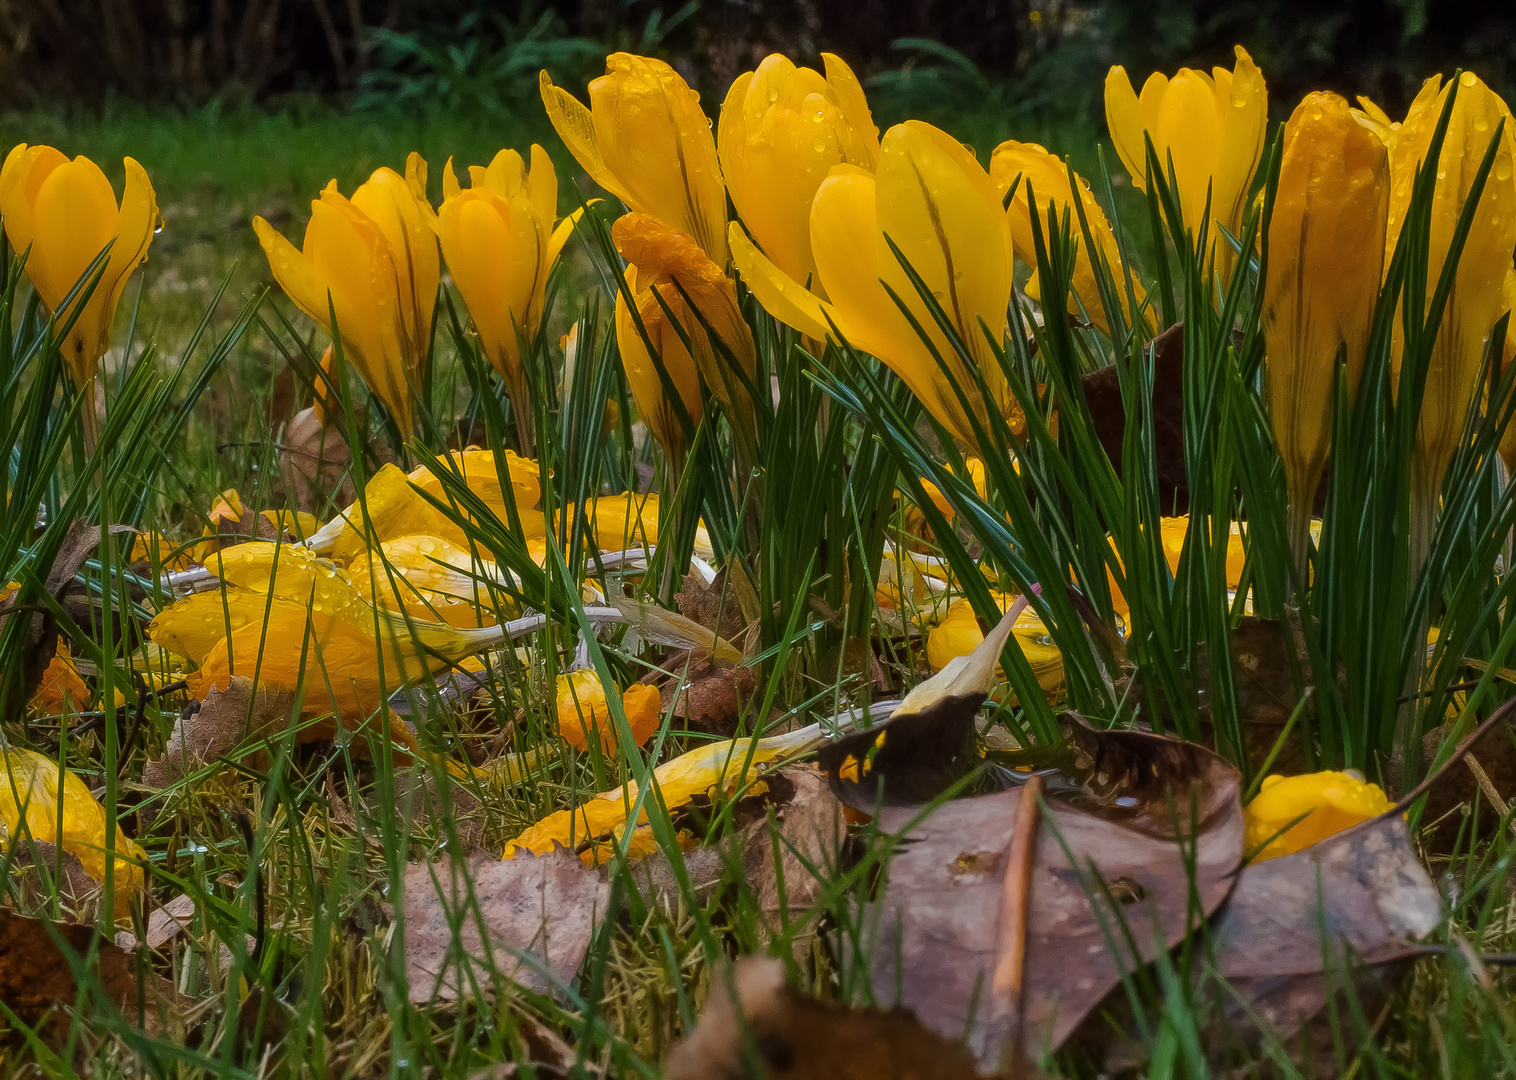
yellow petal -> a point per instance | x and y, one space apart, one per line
1476 300
780 295
782 129
855 110
642 372
29 791
1325 244
576 127
1123 115
1245 107
1329 802
542 185
658 144
940 208
496 252
26 167
1048 178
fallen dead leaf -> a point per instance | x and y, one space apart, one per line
713 606
964 899
36 973
792 852
315 463
1107 409
711 698
543 905
74 550
422 806
793 1037
216 726
1358 899
34 868
163 925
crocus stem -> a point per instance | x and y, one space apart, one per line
519 390
1298 528
1425 492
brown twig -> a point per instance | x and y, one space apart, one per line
1021 859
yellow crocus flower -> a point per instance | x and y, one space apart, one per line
1042 175
674 265
1325 240
1212 126
500 242
1379 122
664 263
645 140
373 258
939 206
62 214
1477 299
584 713
1508 437
959 634
1330 801
782 128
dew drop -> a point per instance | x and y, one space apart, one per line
1468 78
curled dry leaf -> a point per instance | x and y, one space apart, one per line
213 728
1102 392
1116 852
713 606
790 853
315 462
795 1037
41 645
545 906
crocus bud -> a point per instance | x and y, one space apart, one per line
1212 126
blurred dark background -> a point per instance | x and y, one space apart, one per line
1043 57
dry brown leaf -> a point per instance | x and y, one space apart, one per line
163 925
1107 408
34 868
36 973
422 806
74 550
314 466
1365 888
216 726
711 698
547 905
713 606
794 1037
807 832
945 924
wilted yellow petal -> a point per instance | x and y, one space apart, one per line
1329 801
29 792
